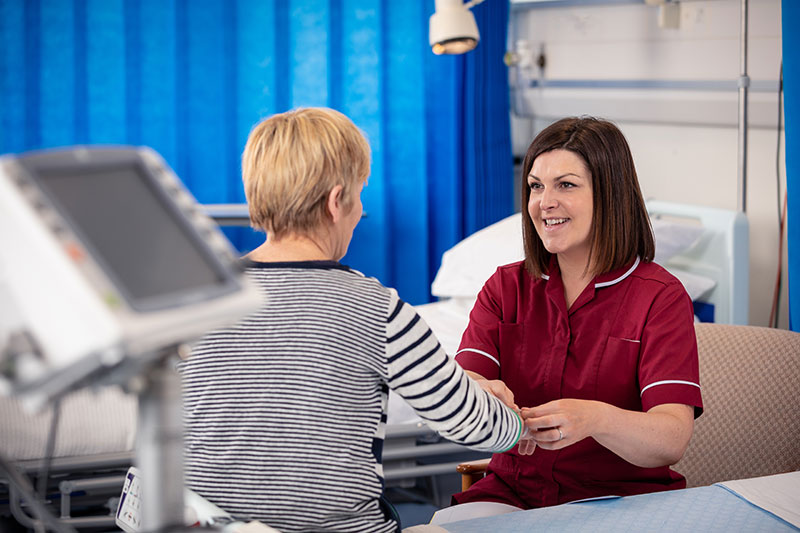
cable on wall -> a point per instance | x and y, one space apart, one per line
776 297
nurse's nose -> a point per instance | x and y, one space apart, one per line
548 200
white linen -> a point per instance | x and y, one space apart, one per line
447 319
673 238
467 265
91 422
696 286
468 511
778 494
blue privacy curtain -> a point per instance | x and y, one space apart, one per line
189 78
790 13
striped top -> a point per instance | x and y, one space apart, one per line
285 411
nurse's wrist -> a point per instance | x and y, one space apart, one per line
601 422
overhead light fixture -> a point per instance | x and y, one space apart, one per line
452 27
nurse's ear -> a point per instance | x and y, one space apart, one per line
334 204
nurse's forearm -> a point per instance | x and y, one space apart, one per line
656 438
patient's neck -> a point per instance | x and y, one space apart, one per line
289 249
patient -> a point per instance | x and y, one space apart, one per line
285 412
591 338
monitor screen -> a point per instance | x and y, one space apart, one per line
144 245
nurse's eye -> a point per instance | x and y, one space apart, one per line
566 185
535 185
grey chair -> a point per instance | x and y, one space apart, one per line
750 377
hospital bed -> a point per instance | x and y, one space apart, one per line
715 268
706 248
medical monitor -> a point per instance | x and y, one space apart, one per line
122 214
109 257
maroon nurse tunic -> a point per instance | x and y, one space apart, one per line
628 340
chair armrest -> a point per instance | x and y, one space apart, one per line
473 467
472 471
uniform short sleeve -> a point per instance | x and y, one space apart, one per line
479 350
668 364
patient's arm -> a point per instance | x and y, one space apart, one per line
496 388
418 369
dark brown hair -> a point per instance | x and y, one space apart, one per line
620 224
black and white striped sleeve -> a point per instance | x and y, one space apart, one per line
439 390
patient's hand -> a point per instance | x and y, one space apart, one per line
526 444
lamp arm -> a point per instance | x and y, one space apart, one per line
472 3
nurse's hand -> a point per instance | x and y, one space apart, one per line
496 388
557 424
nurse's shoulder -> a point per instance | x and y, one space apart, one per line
657 279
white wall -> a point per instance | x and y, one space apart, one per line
683 132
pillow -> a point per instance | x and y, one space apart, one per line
673 238
696 285
467 265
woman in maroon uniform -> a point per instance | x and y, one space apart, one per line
593 340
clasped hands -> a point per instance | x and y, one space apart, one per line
552 426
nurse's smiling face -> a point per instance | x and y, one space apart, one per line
561 204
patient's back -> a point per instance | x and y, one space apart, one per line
284 411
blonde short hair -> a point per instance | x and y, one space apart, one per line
291 163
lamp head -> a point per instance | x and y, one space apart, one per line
452 28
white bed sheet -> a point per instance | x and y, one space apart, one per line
92 422
778 494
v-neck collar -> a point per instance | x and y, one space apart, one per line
555 285
603 280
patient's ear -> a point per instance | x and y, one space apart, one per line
335 208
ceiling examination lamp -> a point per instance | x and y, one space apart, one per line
452 28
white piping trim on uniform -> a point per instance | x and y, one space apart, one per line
669 382
613 281
481 353
625 275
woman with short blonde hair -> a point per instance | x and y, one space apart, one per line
286 192
285 411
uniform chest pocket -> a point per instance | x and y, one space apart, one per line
618 371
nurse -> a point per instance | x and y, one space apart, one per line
593 340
